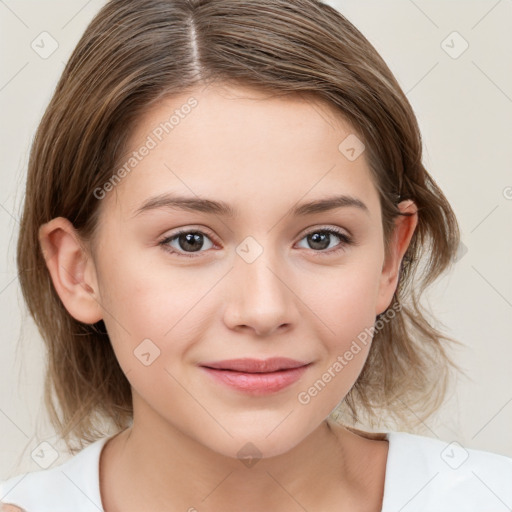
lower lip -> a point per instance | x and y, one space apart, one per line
258 383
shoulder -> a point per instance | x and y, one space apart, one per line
426 474
73 485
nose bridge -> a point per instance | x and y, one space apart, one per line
260 298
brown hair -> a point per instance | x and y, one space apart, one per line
136 52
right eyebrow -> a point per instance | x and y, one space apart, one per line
193 204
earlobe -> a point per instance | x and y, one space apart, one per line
72 271
400 240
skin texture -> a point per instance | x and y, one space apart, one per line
262 155
6 507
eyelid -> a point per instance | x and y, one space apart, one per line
325 227
346 239
165 239
187 229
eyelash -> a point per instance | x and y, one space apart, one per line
345 241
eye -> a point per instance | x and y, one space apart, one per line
185 241
320 239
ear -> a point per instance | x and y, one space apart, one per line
71 269
400 239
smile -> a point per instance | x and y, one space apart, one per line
255 376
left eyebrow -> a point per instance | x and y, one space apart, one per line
328 204
197 204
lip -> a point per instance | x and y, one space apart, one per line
255 376
249 365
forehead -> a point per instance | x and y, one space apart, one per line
244 146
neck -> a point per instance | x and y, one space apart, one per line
170 468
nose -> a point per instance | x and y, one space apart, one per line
260 297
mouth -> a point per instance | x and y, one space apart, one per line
247 365
256 376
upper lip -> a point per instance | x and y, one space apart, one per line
256 365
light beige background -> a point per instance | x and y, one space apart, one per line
464 107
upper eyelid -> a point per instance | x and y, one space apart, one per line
180 231
306 231
303 233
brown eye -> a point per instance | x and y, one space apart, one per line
320 240
186 241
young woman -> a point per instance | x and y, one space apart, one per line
226 235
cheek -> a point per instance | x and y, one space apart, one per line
345 299
344 306
147 299
175 308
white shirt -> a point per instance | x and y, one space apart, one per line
422 475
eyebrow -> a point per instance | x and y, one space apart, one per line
203 205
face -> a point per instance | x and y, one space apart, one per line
187 285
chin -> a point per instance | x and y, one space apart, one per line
256 443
